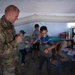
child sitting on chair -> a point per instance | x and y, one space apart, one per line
69 45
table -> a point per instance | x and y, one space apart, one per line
72 60
70 56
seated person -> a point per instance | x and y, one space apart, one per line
66 45
63 45
63 48
74 47
69 44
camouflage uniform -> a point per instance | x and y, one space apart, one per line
8 48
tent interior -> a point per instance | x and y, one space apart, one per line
57 15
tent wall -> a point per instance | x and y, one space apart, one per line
53 28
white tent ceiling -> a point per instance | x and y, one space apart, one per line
45 10
43 18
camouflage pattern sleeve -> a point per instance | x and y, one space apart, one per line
6 48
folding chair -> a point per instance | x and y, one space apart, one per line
56 62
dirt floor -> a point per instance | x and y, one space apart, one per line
31 68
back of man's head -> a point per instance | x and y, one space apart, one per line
11 8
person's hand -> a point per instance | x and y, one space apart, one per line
39 36
46 50
18 39
30 42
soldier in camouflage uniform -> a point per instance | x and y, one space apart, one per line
8 45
